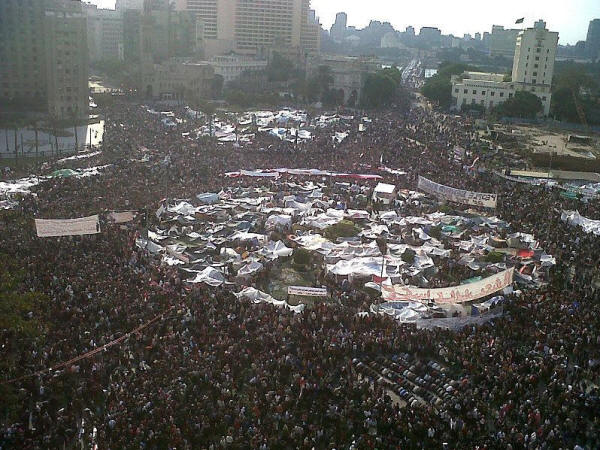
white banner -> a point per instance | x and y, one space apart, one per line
67 227
307 291
450 295
121 217
458 195
588 225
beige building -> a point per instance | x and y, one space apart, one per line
533 69
254 27
177 79
44 54
231 67
348 72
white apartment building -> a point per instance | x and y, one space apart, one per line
231 67
533 69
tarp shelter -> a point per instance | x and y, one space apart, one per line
384 193
210 276
63 173
208 198
256 296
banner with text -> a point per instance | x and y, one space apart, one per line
456 294
307 291
458 195
67 227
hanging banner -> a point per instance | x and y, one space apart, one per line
456 294
67 227
307 291
458 195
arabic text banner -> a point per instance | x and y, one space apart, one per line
456 294
458 195
307 291
67 227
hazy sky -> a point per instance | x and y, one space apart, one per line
569 17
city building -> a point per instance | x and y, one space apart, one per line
177 79
339 28
159 32
123 5
592 43
105 34
392 40
254 27
533 69
232 67
430 36
502 41
349 73
44 54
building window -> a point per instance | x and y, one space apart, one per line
492 93
456 91
474 92
482 92
501 94
466 91
535 74
538 50
509 95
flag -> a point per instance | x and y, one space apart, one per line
521 20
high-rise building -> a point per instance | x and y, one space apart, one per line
254 27
124 5
159 32
502 41
430 36
535 52
533 69
105 33
592 43
339 28
44 54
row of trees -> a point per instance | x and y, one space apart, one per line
380 89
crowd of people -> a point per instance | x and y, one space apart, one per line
211 371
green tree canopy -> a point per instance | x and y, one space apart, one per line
382 88
280 68
524 105
439 88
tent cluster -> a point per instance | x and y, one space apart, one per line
233 237
287 125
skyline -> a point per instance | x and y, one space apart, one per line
570 20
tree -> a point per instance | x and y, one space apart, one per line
439 87
217 85
280 69
524 105
378 91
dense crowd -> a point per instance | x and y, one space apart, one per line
217 372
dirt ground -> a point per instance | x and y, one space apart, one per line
542 140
